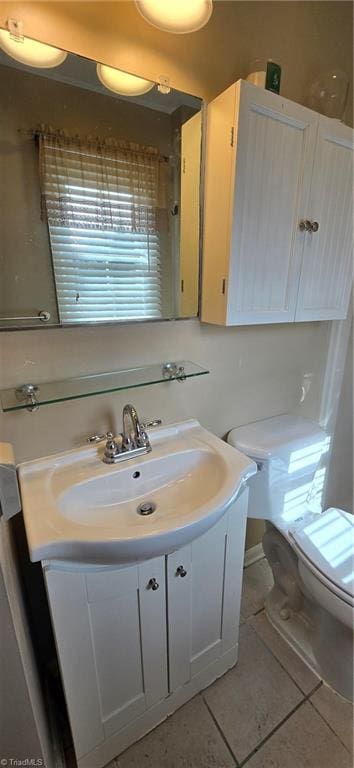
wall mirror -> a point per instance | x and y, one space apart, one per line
100 196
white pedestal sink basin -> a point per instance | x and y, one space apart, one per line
79 509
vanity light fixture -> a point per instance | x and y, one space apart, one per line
31 52
121 82
177 16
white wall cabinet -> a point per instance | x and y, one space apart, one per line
272 164
134 643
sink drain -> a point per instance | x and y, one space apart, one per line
146 508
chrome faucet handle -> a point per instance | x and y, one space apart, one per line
153 423
113 446
143 439
99 438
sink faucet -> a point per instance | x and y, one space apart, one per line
135 437
133 441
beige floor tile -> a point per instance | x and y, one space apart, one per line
188 739
303 741
337 711
300 672
257 582
251 699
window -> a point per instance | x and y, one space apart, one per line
104 204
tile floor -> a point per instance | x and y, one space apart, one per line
270 711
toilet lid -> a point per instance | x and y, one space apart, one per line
327 541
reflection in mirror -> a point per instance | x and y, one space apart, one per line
99 218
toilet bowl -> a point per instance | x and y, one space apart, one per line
311 553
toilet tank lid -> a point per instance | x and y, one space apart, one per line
277 436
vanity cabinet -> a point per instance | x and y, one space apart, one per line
278 211
136 642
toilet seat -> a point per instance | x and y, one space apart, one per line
325 544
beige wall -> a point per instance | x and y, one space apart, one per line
339 492
256 371
306 38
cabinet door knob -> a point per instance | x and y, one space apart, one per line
305 225
153 585
181 571
308 226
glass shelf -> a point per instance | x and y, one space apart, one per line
31 396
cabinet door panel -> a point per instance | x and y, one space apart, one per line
72 631
326 275
204 606
110 630
102 585
275 142
195 604
208 567
117 649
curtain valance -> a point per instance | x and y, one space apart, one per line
102 184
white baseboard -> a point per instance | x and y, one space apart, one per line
253 554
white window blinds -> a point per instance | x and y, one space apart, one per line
105 207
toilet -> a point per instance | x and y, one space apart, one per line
310 552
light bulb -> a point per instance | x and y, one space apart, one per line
31 52
178 16
120 82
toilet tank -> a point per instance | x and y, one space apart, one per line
287 450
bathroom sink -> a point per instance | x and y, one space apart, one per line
79 509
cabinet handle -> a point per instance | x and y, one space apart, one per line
181 571
308 226
305 225
153 585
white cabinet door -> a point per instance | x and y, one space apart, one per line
327 268
275 146
259 154
204 587
110 631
